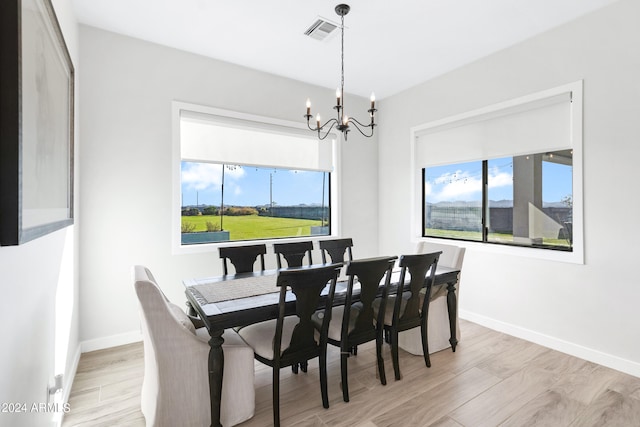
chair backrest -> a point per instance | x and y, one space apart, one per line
242 257
161 319
167 331
294 253
336 249
421 269
452 256
306 284
370 274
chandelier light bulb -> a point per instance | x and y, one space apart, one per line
308 106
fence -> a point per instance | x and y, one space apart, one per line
299 212
469 218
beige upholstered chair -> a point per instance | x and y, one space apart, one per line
175 390
438 323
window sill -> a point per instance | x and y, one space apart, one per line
573 257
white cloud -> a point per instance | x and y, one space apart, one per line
464 185
428 189
500 179
202 176
460 185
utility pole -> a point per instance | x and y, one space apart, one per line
222 200
271 193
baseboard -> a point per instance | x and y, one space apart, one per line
595 356
111 341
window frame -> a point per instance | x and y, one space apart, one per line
485 213
176 159
576 256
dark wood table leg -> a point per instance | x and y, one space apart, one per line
216 366
452 307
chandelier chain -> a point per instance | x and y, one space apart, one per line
342 67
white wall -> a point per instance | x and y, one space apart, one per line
39 314
127 89
588 310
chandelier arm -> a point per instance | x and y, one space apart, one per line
357 124
309 126
317 128
354 120
333 123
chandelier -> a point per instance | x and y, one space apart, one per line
342 122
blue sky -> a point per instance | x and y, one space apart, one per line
250 186
463 181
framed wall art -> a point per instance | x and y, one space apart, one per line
36 122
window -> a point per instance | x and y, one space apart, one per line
506 178
522 200
453 201
247 178
223 202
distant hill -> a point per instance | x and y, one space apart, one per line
492 204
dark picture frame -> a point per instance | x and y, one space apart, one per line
36 122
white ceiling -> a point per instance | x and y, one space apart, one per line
389 46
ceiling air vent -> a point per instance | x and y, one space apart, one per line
321 29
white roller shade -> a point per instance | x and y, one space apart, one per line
216 139
534 127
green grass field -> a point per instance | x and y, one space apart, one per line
252 227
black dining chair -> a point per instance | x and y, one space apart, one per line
354 323
243 258
293 253
336 249
291 339
409 307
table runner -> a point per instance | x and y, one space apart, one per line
236 288
216 291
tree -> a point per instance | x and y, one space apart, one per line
567 200
210 210
191 212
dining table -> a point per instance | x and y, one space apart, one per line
236 300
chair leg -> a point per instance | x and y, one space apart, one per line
425 343
323 379
393 337
304 366
354 350
276 396
343 370
379 342
294 368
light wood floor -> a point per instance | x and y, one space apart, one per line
491 380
